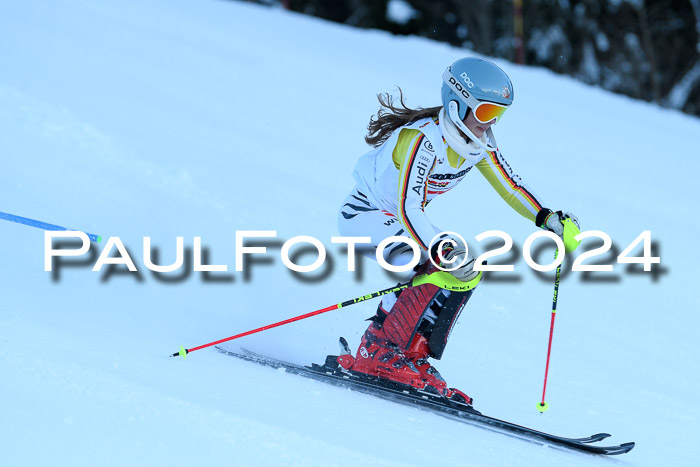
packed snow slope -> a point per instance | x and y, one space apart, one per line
168 119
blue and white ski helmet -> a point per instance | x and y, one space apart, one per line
475 78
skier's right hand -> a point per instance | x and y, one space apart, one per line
454 256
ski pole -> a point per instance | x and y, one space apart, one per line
441 279
183 351
571 231
543 406
42 225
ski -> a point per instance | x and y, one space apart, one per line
331 372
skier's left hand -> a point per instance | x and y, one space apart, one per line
554 222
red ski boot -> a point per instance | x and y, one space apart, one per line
397 344
418 353
378 356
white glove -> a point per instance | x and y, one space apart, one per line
554 221
454 256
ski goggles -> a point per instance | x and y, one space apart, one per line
484 111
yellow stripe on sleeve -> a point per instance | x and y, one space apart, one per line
517 196
405 153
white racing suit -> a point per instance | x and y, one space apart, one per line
397 180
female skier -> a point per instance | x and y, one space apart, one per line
419 154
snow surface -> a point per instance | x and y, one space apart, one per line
181 118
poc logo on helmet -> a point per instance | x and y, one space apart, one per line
459 87
466 79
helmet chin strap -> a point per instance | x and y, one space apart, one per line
454 116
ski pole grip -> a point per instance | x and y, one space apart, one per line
447 281
569 236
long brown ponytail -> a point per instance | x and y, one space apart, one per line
390 117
